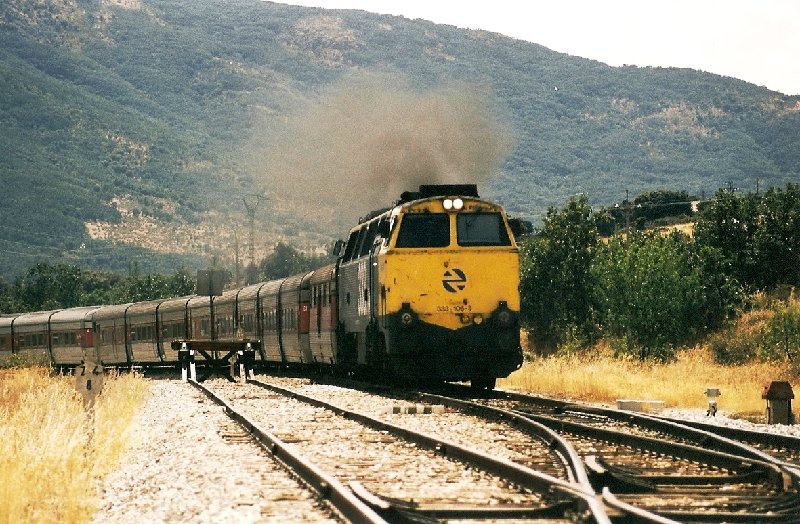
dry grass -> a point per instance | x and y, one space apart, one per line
598 377
50 456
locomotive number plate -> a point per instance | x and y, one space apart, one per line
455 309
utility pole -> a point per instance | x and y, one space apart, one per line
236 253
627 213
251 204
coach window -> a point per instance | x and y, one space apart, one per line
424 230
481 229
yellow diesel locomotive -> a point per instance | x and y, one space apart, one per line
429 289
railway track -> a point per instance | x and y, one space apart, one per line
511 458
189 462
639 463
683 473
398 473
785 448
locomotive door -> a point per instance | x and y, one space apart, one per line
376 345
374 283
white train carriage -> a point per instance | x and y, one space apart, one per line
173 324
111 335
6 342
72 335
270 321
249 323
225 316
30 337
289 318
141 321
323 317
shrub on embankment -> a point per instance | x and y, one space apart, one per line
52 452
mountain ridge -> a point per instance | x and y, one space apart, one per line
165 105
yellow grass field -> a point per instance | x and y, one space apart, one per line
598 378
52 453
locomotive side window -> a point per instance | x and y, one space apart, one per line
351 246
428 230
481 229
369 238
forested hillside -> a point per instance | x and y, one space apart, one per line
143 130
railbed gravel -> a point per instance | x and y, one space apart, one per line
186 462
386 465
182 465
496 438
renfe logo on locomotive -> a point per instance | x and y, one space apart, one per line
454 280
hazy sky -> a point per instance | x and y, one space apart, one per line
754 40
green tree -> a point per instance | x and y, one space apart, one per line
729 224
655 292
776 242
285 261
781 339
151 287
554 267
8 298
47 286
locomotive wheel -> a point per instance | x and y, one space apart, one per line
483 383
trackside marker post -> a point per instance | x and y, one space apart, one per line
712 394
183 356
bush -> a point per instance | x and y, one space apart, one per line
781 340
740 343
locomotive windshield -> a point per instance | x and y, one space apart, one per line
481 229
428 230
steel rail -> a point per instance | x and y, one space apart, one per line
506 469
566 451
676 449
750 436
327 486
704 438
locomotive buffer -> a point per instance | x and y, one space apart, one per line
230 358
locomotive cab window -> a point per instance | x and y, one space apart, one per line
351 246
371 231
424 230
481 229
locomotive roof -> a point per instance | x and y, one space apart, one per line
440 190
427 191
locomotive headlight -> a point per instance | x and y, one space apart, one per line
406 318
458 203
448 204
